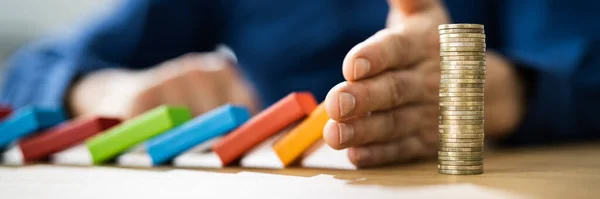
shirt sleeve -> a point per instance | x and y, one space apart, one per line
558 58
137 34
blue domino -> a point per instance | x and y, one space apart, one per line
28 120
214 123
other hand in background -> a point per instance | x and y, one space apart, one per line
199 81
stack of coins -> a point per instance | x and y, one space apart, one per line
461 120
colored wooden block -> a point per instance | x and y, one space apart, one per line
200 156
164 147
114 141
322 156
5 111
286 111
28 120
279 153
55 139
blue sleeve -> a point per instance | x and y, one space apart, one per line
556 46
138 34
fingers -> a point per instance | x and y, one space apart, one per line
410 6
390 152
387 49
378 127
389 90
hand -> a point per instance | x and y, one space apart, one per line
387 110
200 81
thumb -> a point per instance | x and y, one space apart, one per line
408 7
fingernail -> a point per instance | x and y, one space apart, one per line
346 133
361 68
347 102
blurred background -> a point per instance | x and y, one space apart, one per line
22 21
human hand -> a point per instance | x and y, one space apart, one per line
387 110
200 81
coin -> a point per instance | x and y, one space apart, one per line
460 158
452 76
456 144
468 81
463 35
455 154
462 140
462 90
462 67
462 168
443 53
456 149
461 117
461 131
463 49
461 85
460 163
463 58
477 63
462 44
461 99
461 95
461 112
460 172
456 127
451 31
462 108
459 122
444 135
458 39
463 72
460 26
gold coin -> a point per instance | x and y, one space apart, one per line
462 67
461 95
463 72
476 63
443 135
443 53
461 113
470 30
463 35
463 145
459 158
456 127
462 85
463 58
460 163
461 117
461 90
462 140
468 81
461 99
460 26
462 168
463 44
460 172
452 76
458 39
461 108
462 103
461 154
463 49
456 149
461 122
461 131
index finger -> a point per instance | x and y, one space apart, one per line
387 49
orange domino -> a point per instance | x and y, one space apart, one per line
286 111
293 144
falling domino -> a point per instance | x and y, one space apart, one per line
63 136
200 156
114 141
280 153
322 156
286 111
165 146
28 120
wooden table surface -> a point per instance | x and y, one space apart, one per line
566 171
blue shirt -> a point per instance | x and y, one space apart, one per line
286 46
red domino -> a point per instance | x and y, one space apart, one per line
63 136
4 111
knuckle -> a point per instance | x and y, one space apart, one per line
397 85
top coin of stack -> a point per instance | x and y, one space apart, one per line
461 120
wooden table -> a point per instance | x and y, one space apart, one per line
567 171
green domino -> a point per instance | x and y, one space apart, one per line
120 138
